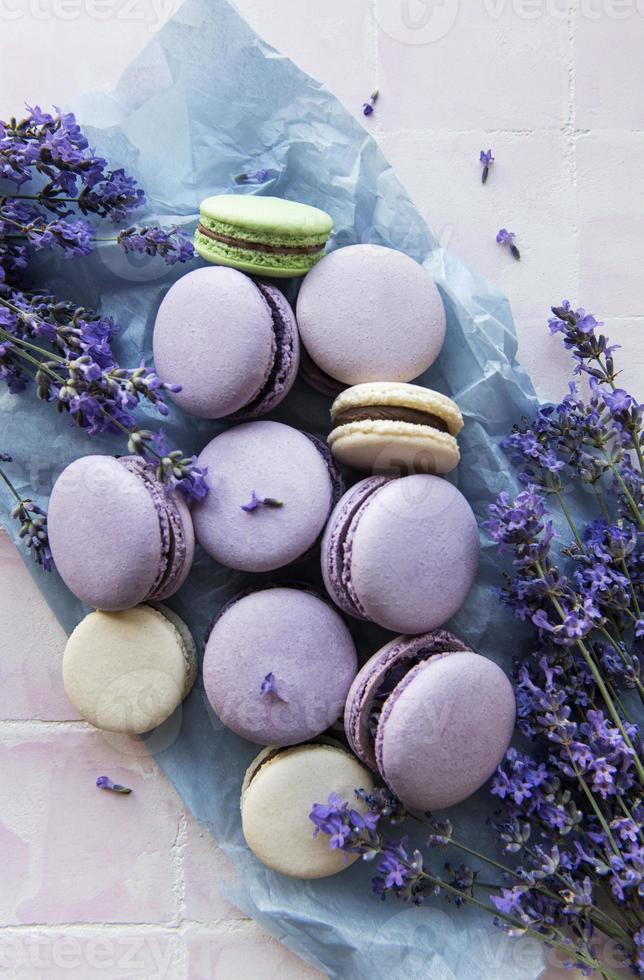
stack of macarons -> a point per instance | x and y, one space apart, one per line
399 548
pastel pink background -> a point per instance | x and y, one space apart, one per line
100 886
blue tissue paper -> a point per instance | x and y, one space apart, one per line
205 101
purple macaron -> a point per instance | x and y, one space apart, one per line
433 717
369 313
272 489
402 553
230 342
118 536
278 665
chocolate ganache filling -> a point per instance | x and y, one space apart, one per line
259 246
390 413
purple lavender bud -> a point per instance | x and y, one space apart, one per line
268 685
104 782
505 237
252 504
367 109
256 502
486 159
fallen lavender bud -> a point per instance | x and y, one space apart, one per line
104 782
487 160
505 237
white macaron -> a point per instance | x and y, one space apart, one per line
389 426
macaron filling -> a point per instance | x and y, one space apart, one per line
174 547
391 413
284 353
238 242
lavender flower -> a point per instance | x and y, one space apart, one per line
573 807
487 160
32 520
368 107
170 243
54 148
61 350
505 237
347 829
104 782
256 502
258 177
268 688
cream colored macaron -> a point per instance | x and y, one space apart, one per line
391 427
127 671
279 791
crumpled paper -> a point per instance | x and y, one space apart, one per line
207 100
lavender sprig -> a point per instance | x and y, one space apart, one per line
53 147
405 874
64 351
32 520
573 810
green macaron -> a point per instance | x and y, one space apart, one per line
264 236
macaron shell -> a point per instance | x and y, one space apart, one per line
287 356
127 671
366 312
176 529
253 264
104 533
270 217
445 729
299 639
412 556
214 336
276 803
333 545
276 461
368 681
384 446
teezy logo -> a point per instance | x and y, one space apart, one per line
417 21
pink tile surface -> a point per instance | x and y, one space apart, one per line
242 952
32 645
128 888
94 954
74 853
205 867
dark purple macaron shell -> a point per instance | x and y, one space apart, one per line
379 677
118 536
278 665
286 356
